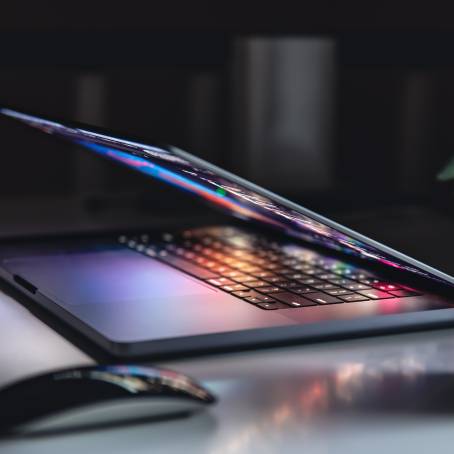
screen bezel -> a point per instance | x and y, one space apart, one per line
439 275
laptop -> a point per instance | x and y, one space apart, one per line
260 270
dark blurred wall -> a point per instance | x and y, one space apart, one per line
308 115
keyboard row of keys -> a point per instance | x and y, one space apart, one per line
311 298
268 278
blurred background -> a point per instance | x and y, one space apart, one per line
346 111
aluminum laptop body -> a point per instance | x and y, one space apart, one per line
264 271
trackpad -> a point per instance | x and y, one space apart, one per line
105 277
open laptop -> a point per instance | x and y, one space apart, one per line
263 271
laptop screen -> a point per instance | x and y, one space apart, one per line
229 192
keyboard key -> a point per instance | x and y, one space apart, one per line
306 268
177 250
261 253
296 276
257 284
272 306
220 281
260 299
409 289
292 284
232 273
385 286
403 293
353 297
222 269
324 286
359 276
276 279
270 289
302 290
318 261
243 278
252 269
356 287
338 291
326 276
240 241
321 298
237 264
347 272
264 275
266 298
247 268
282 270
272 255
293 300
140 248
190 256
336 268
188 267
290 262
369 281
201 260
253 300
258 261
287 284
376 294
271 266
246 294
308 271
234 287
240 253
310 281
341 281
206 251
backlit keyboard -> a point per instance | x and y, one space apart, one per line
268 274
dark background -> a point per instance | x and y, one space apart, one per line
346 109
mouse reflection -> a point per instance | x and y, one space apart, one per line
295 405
359 388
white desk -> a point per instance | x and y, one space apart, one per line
286 400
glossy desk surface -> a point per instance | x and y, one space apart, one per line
375 395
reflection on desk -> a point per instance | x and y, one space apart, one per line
381 394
